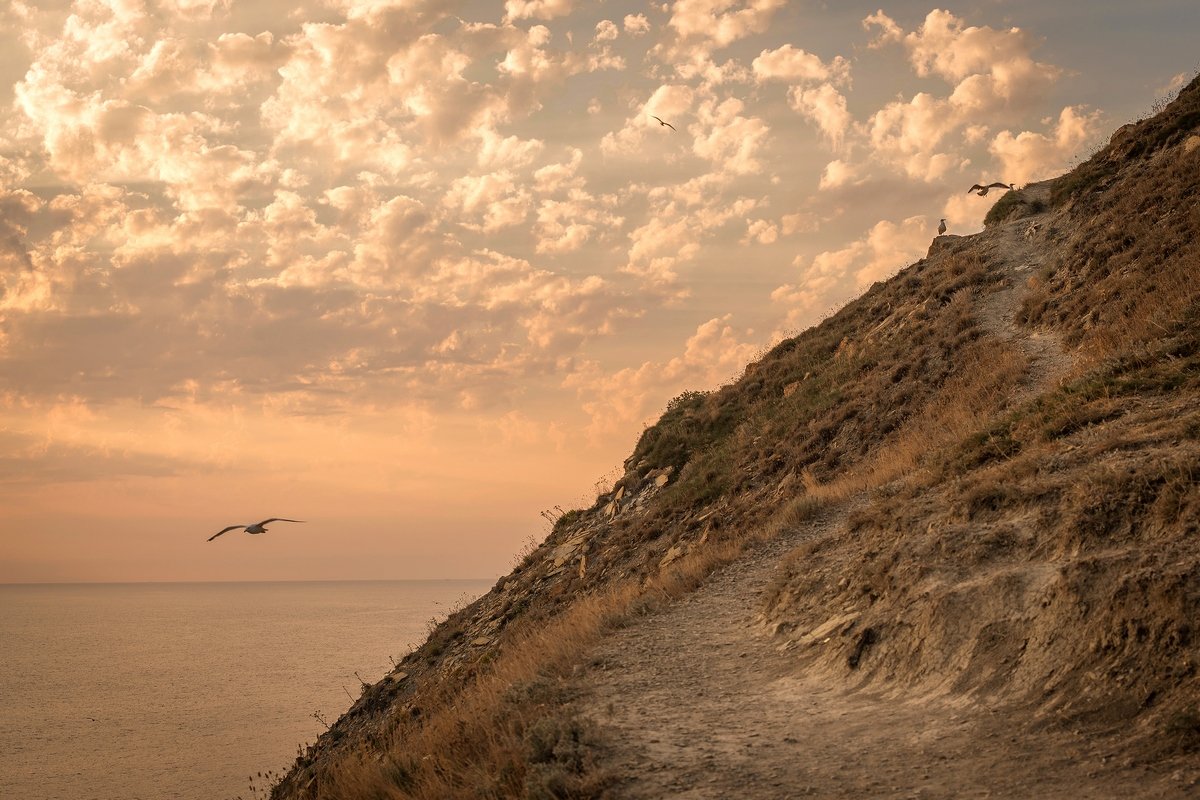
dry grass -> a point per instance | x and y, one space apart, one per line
1129 267
505 735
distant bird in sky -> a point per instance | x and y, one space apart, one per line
942 228
258 527
669 125
983 190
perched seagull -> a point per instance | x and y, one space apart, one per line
258 527
669 125
942 228
983 190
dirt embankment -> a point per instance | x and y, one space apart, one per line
699 701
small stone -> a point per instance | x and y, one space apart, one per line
672 555
480 641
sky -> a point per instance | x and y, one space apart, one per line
415 272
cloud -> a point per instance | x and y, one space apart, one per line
719 23
761 231
885 248
636 24
1030 156
825 106
606 31
714 353
791 64
536 9
671 102
838 173
488 202
992 74
728 139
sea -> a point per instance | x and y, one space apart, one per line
187 691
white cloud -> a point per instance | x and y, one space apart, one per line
788 63
606 31
536 9
825 106
838 173
636 24
670 102
881 251
714 353
1030 156
728 139
761 231
719 23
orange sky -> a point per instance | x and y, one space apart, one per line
415 271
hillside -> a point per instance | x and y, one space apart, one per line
975 485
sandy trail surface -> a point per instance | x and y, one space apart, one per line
698 701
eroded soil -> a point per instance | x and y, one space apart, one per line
697 701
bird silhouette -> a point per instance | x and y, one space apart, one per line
257 527
983 190
942 228
669 125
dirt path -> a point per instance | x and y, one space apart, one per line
696 702
1016 246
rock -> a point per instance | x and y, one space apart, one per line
396 677
673 554
662 479
828 628
1191 144
562 554
480 641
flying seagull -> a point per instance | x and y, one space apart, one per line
258 527
983 190
942 228
669 125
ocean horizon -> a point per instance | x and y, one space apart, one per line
186 689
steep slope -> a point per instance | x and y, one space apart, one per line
999 447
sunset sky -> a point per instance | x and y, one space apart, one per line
415 271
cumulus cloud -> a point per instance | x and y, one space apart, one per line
714 353
1030 156
826 107
881 251
536 9
669 101
838 173
719 23
636 24
728 138
788 63
606 31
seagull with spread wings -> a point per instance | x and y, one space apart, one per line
669 125
983 190
257 527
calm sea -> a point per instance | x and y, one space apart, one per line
184 690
